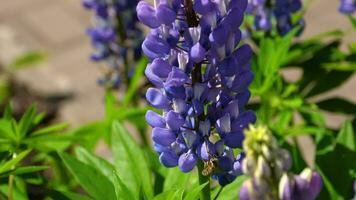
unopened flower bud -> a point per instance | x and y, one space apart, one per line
262 167
286 187
266 152
245 191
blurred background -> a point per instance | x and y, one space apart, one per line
50 35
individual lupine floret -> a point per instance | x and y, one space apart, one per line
274 13
347 6
201 78
267 167
115 37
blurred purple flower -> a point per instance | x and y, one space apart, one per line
115 36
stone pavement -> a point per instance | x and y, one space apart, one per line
57 27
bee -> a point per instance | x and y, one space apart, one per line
209 166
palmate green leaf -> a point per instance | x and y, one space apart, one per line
347 137
26 120
130 161
135 82
338 105
11 164
270 59
92 180
230 192
193 194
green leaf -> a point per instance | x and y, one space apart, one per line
194 193
11 164
328 186
18 193
27 120
28 59
122 191
28 169
338 105
98 163
92 180
352 20
8 111
89 134
6 130
347 66
135 82
346 136
176 179
51 129
342 159
130 161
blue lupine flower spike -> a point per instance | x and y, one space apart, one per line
347 6
116 37
269 14
201 76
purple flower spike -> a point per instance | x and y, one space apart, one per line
280 11
201 82
347 6
109 17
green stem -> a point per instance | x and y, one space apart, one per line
205 192
11 187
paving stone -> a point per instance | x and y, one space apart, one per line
12 7
53 23
88 104
9 44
